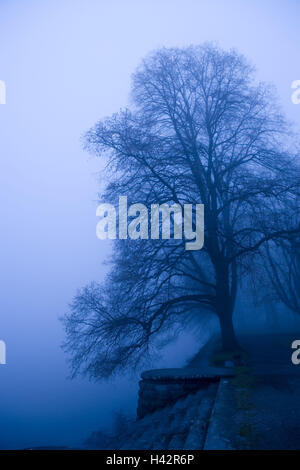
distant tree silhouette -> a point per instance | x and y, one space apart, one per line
200 130
282 265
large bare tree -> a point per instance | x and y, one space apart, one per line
200 130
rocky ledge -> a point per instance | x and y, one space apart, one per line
161 387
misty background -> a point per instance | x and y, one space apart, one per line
66 64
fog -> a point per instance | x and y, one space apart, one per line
67 64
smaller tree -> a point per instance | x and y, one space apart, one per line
282 265
277 272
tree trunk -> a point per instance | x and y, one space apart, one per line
229 340
225 307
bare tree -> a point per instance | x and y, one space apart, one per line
200 131
276 276
282 265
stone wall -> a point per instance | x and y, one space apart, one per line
162 387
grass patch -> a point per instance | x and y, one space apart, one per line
243 401
243 377
248 435
237 358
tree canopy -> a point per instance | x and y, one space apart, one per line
199 130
